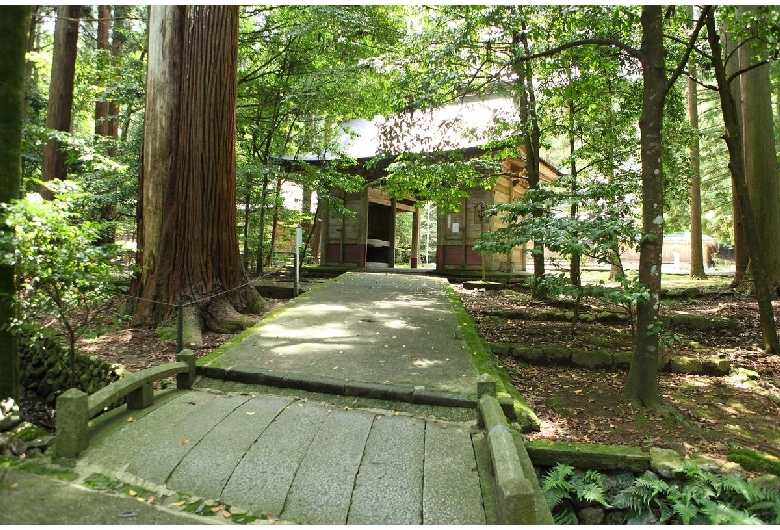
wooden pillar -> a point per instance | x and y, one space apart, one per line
343 229
415 238
324 232
363 236
391 248
465 231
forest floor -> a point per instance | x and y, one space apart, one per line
717 415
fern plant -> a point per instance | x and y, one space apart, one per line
704 498
562 483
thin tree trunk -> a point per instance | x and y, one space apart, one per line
63 70
13 41
642 384
741 253
697 257
531 140
274 222
575 274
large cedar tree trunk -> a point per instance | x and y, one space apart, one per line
741 254
642 384
736 166
63 70
758 143
13 43
187 234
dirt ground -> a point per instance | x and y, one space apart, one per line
717 414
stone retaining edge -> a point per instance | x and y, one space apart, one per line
329 385
594 359
588 456
517 495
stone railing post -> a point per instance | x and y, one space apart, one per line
186 380
72 423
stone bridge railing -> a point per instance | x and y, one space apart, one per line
75 408
518 498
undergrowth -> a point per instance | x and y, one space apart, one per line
700 497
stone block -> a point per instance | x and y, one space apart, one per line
686 365
665 462
716 366
588 456
184 381
530 355
592 359
72 423
486 384
140 398
622 359
557 355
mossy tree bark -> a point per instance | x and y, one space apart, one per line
14 25
187 194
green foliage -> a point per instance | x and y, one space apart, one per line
61 273
563 483
703 498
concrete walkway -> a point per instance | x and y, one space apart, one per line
318 461
364 327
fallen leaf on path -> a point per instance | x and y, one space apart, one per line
185 441
178 504
219 508
130 420
132 493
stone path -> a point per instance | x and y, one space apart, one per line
301 461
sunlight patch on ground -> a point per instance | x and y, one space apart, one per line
328 331
425 363
320 308
398 324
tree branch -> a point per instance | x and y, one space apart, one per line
688 49
633 52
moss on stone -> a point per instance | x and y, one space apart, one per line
754 461
588 456
487 363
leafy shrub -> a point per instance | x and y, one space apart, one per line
563 483
704 498
61 273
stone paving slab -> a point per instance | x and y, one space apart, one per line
173 442
370 327
303 461
389 486
262 479
133 437
207 467
322 489
452 489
